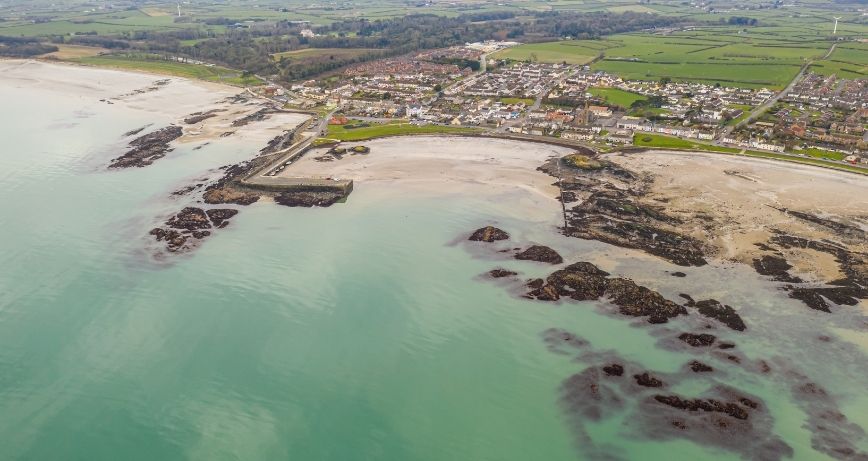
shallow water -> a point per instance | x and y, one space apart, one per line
362 331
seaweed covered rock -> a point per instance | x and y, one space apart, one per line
638 301
221 216
697 340
725 314
488 234
699 367
708 405
501 273
584 281
540 253
646 380
190 218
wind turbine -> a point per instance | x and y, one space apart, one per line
835 30
179 12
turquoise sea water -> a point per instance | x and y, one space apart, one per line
359 332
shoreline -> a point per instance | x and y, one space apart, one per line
202 84
795 160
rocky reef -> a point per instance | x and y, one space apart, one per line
190 225
584 281
611 386
148 148
611 210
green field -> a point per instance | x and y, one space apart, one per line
849 60
341 133
762 56
549 52
617 97
210 73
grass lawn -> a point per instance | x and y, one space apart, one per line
820 153
510 101
744 114
550 52
210 73
617 97
668 142
392 129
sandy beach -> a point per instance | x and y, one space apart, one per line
441 161
744 198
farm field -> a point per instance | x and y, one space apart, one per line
768 55
849 60
571 52
209 73
68 52
322 52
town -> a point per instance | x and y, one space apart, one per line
820 116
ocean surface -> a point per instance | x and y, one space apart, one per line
364 331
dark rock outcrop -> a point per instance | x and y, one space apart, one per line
697 340
190 218
488 234
708 405
540 253
776 267
646 380
725 314
197 117
699 367
613 369
501 273
221 216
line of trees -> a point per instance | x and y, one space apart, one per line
23 47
